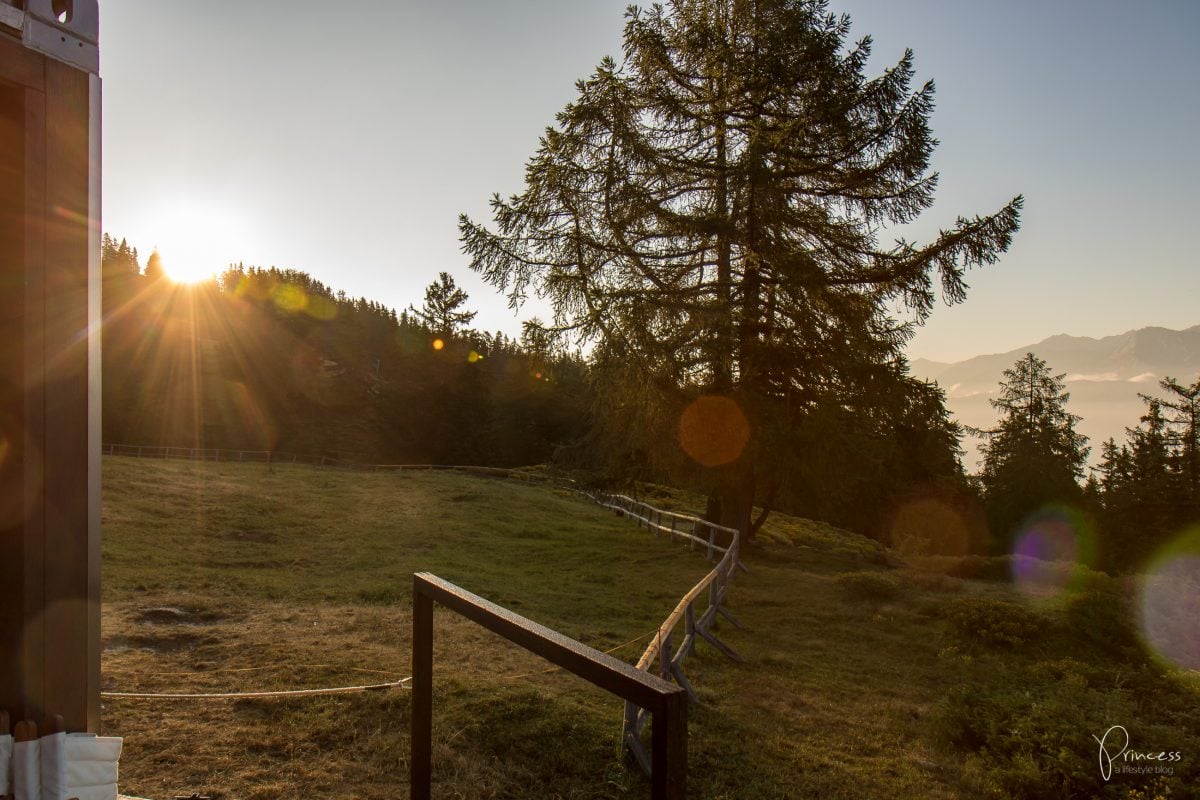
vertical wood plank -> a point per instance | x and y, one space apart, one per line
67 548
95 315
15 457
33 640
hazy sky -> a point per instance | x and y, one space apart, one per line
344 138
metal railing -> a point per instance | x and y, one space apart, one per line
666 702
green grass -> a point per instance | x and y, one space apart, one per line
845 693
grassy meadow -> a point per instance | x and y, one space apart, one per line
865 677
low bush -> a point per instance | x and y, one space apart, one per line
982 568
869 585
1102 614
1029 733
1030 745
993 622
934 582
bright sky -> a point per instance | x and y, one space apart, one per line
344 138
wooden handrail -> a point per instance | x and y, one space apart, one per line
665 630
666 701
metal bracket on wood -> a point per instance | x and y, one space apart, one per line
65 30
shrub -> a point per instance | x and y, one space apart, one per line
869 585
1028 744
993 622
1029 733
1101 613
982 568
935 582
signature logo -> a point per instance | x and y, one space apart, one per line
1110 753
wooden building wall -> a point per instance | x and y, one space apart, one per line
49 388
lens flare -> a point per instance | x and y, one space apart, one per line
321 308
289 298
929 526
1169 602
1053 542
713 430
438 344
473 356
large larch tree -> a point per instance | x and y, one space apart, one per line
712 213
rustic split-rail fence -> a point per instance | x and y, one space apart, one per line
668 651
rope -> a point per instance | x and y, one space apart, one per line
239 695
400 684
262 669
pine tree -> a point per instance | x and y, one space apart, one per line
441 311
711 210
1034 456
1184 439
154 268
1115 468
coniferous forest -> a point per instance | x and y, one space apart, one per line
272 359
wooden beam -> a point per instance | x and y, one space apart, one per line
666 701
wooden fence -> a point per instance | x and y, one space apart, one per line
665 648
662 648
667 703
277 457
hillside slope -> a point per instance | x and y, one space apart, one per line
860 680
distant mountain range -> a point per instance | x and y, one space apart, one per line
1104 377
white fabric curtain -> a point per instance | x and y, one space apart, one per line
60 766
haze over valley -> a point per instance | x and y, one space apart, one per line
1104 377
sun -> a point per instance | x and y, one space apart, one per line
197 237
186 270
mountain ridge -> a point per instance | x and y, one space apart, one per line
1104 376
1130 354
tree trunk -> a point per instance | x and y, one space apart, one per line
731 504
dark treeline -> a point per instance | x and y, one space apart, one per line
1140 496
272 359
1147 491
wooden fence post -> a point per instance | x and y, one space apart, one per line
668 748
421 762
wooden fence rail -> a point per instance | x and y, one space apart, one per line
277 457
715 585
667 703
